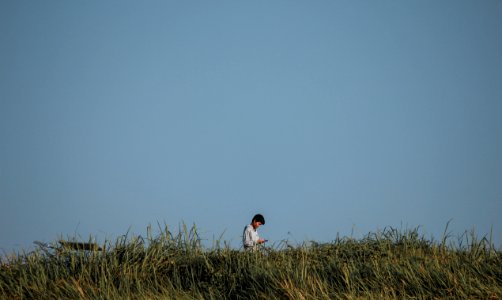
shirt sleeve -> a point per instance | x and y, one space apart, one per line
248 238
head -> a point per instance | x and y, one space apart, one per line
257 221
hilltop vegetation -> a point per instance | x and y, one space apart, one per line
385 265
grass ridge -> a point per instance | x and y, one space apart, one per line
389 264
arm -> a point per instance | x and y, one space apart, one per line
248 238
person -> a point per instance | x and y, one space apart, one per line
250 237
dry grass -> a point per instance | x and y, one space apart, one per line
386 265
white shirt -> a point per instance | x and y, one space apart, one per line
250 237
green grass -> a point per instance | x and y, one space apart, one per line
391 264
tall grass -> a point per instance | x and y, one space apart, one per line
390 264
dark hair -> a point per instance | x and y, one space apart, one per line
258 218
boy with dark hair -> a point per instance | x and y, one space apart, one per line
250 237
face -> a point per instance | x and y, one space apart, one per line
256 224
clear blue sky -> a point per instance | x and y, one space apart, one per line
326 116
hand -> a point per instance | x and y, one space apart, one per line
261 241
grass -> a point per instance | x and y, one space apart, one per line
391 264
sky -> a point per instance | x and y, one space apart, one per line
331 118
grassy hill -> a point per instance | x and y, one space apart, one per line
385 265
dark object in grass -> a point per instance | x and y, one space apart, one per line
80 246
